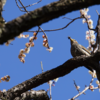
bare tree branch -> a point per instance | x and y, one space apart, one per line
42 15
59 71
33 95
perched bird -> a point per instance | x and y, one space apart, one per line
78 50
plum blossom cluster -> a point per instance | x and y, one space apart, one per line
5 78
9 42
98 83
90 33
52 82
46 44
93 74
90 87
28 45
20 36
77 87
23 36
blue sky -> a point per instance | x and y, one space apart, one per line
19 72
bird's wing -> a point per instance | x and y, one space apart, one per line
87 52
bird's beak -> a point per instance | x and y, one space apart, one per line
70 39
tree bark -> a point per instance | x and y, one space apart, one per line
42 15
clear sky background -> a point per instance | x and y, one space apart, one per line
19 72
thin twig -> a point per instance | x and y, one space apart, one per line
97 12
58 28
23 6
42 66
45 35
32 4
76 86
67 18
86 87
19 6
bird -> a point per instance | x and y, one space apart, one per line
78 50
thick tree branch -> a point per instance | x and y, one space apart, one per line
42 15
33 95
59 71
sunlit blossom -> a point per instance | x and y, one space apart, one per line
27 50
43 36
56 79
31 39
91 87
45 40
50 82
91 73
92 41
90 22
92 36
77 87
88 16
22 51
84 21
91 32
97 82
50 49
27 45
34 33
87 32
32 44
86 9
91 26
45 44
22 60
87 37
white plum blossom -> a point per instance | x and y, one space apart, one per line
87 32
50 49
84 21
56 79
22 51
91 87
90 22
86 9
83 12
91 26
88 16
87 37
93 74
27 50
97 82
91 32
78 87
90 36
